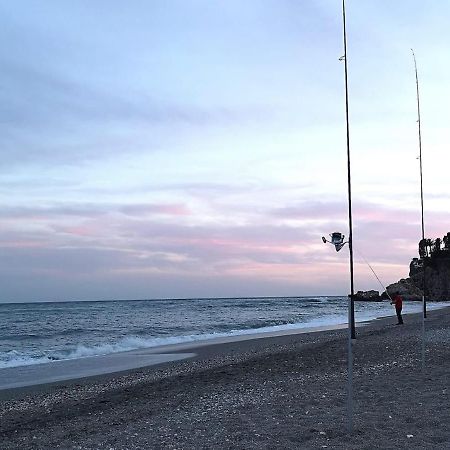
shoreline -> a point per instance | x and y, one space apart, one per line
19 363
274 392
26 378
73 370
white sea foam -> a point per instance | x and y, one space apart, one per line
15 359
128 343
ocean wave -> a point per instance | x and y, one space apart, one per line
128 343
14 358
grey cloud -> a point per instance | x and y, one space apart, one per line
37 98
338 209
47 118
38 184
110 286
42 213
59 260
90 211
151 209
268 233
312 210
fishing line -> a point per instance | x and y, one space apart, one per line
376 276
337 239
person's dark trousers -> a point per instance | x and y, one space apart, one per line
399 315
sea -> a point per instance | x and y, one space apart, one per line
37 333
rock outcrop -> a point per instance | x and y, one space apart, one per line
367 296
434 262
404 287
437 278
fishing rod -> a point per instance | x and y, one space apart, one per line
424 301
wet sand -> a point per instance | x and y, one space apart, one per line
278 392
72 369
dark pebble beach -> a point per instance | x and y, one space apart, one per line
287 392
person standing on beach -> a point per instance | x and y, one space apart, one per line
398 301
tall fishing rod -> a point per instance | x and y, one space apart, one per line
351 313
351 304
421 179
424 301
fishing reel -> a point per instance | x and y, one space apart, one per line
337 239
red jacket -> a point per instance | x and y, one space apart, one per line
398 302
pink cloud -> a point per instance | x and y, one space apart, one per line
144 240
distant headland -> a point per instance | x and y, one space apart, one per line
434 262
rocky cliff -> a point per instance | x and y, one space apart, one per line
404 287
434 262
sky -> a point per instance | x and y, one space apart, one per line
197 148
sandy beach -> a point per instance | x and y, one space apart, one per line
279 392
